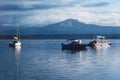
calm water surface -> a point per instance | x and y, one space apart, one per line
44 60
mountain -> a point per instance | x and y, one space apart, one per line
72 26
67 28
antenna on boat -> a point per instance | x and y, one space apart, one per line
17 31
16 43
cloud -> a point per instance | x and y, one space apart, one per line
34 5
82 14
20 7
100 4
43 12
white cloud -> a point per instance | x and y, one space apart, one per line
99 16
76 12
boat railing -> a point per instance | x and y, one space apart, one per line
100 38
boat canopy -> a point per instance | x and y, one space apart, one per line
75 40
16 38
99 37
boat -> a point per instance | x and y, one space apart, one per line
73 44
99 42
16 43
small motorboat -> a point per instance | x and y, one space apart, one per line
16 43
74 45
99 42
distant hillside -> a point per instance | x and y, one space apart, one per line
66 29
72 26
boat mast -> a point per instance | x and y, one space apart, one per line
17 33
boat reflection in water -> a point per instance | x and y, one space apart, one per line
101 49
71 51
74 45
17 53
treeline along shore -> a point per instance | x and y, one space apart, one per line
62 36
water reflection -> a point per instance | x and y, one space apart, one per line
17 52
101 49
70 51
44 60
93 50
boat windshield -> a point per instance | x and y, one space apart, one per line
74 41
100 38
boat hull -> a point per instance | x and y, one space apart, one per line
73 46
95 44
15 44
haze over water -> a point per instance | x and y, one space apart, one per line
44 60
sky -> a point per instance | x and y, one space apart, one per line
43 12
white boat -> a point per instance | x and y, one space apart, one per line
16 43
99 42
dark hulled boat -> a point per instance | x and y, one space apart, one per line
74 45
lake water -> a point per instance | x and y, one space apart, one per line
44 60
